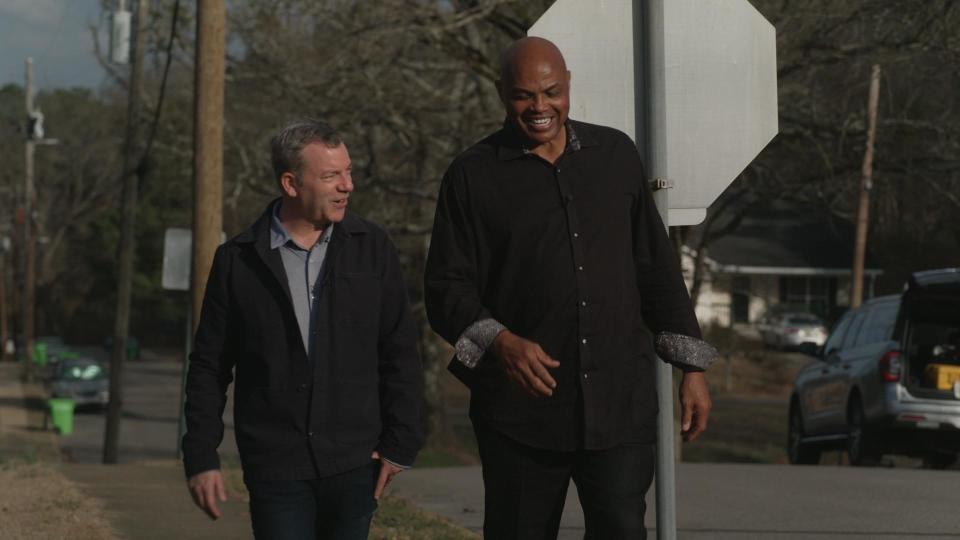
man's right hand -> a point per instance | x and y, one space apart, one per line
206 488
525 362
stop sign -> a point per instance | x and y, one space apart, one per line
713 89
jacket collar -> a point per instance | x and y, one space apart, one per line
258 234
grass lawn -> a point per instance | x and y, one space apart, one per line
742 430
37 502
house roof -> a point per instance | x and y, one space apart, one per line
785 238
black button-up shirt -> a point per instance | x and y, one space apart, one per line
573 256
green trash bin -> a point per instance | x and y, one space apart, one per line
61 411
40 354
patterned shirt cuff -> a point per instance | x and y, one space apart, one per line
475 340
395 464
685 351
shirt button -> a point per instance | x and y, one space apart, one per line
301 388
580 268
576 235
586 375
584 341
584 303
309 434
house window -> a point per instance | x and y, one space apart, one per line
816 294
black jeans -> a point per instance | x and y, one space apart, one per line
337 507
525 488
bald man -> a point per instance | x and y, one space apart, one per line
551 274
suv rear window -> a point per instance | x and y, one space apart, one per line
879 324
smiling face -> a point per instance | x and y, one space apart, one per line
319 195
535 91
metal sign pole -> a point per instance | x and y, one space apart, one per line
649 106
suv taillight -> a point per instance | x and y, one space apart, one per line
890 366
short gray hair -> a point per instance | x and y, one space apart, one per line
286 145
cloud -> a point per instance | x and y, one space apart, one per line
41 12
55 34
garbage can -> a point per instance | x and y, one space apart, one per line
61 411
40 354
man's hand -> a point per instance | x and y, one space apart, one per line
387 472
206 488
695 403
525 363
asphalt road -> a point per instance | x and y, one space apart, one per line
748 502
148 428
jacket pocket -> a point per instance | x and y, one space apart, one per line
261 415
356 299
358 412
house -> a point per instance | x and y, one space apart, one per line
784 253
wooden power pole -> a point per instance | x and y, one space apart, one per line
29 246
131 176
207 143
866 184
3 300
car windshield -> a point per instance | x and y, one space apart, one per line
81 372
802 319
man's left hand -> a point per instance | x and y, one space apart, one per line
387 472
695 404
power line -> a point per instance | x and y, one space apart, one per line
163 88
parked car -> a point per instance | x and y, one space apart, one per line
81 379
887 380
792 329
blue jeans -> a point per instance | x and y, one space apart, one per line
337 507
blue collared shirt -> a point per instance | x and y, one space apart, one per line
302 266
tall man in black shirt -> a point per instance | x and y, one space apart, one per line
551 273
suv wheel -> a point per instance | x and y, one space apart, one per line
797 452
939 461
860 447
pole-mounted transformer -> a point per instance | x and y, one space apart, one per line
120 34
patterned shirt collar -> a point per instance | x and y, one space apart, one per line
514 146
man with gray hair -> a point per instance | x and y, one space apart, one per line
307 311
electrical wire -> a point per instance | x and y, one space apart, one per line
141 165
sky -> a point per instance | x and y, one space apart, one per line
55 33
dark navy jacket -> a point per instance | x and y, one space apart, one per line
297 417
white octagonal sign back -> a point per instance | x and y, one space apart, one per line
718 85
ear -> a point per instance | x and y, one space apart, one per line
288 183
568 78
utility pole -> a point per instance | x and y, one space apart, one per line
209 66
866 184
29 246
4 248
207 143
131 175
